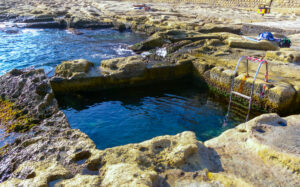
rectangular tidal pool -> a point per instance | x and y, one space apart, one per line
132 115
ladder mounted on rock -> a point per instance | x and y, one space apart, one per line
249 98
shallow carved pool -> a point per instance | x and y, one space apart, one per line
137 114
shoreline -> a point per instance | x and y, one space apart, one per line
252 154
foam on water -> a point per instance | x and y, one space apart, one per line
45 48
32 32
122 49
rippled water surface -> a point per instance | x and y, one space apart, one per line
138 114
117 117
45 48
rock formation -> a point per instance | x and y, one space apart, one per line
210 57
201 45
256 153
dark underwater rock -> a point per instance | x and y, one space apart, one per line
48 25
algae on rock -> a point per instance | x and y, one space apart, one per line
13 119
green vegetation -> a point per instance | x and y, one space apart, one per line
13 119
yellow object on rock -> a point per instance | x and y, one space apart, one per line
263 9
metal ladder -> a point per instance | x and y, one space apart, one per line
249 98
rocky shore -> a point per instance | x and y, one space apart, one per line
185 40
256 153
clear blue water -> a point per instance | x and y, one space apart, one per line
117 117
138 114
45 48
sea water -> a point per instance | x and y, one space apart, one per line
46 48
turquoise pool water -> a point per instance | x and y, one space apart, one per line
45 48
134 115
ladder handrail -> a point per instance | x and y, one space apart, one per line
252 87
261 61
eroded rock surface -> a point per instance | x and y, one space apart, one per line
256 153
262 152
264 141
73 69
51 139
30 91
209 57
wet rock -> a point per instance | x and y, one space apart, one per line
151 43
43 88
73 69
36 19
277 96
26 89
16 72
82 22
49 25
10 31
74 31
120 26
122 72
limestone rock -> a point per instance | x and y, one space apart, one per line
281 96
277 96
138 164
151 43
125 66
37 174
80 180
219 76
283 56
73 69
164 151
296 85
239 42
30 91
256 153
177 45
209 28
123 174
261 141
201 66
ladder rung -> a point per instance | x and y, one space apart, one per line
241 95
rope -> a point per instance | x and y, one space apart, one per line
253 59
